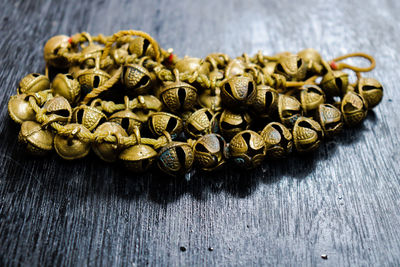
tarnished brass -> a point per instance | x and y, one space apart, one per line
65 85
312 60
311 96
178 96
278 140
269 67
237 91
247 149
159 122
126 118
191 64
371 90
88 116
147 105
209 100
108 151
291 66
354 109
19 109
201 122
141 47
38 141
58 110
176 158
136 78
71 147
307 135
235 67
210 152
232 123
53 51
92 78
334 83
265 100
330 118
32 83
289 110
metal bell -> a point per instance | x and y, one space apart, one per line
191 64
330 118
232 123
58 110
269 67
235 67
38 141
201 122
32 83
291 66
334 83
159 122
136 78
148 104
141 47
312 59
289 110
311 96
176 158
90 56
126 118
53 49
278 140
178 96
71 147
65 85
371 90
210 152
19 109
210 100
247 149
92 78
354 109
105 150
307 135
265 101
236 92
88 116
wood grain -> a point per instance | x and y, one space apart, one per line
342 201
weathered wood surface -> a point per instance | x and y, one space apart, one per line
342 201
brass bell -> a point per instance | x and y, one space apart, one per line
136 78
159 122
201 122
58 110
191 64
307 135
141 47
330 118
147 105
236 67
247 149
354 109
236 92
53 49
138 158
265 100
119 53
176 158
71 147
105 150
371 90
291 66
289 110
19 109
126 118
92 78
33 83
278 140
178 96
88 116
334 83
311 96
65 85
90 56
269 67
312 59
210 100
210 152
38 141
232 123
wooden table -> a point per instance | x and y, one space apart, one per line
342 201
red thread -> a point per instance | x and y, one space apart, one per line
170 58
70 40
333 65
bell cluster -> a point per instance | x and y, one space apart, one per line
129 100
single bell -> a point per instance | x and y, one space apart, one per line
126 118
201 122
289 110
92 78
354 109
33 83
334 83
232 123
20 110
312 59
236 92
38 141
210 100
176 158
105 150
371 90
236 67
141 47
53 50
191 64
330 118
269 68
210 152
307 135
136 78
58 110
178 96
88 116
71 147
311 96
65 85
265 100
247 149
90 56
147 105
292 67
278 140
163 121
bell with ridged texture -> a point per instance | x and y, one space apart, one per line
289 110
232 123
312 59
236 92
138 158
32 83
65 85
161 122
136 78
201 122
311 96
291 66
189 65
330 118
88 116
265 101
19 109
278 140
53 50
141 47
371 90
334 83
247 149
71 147
105 150
210 152
354 109
38 141
307 135
92 78
126 118
58 110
